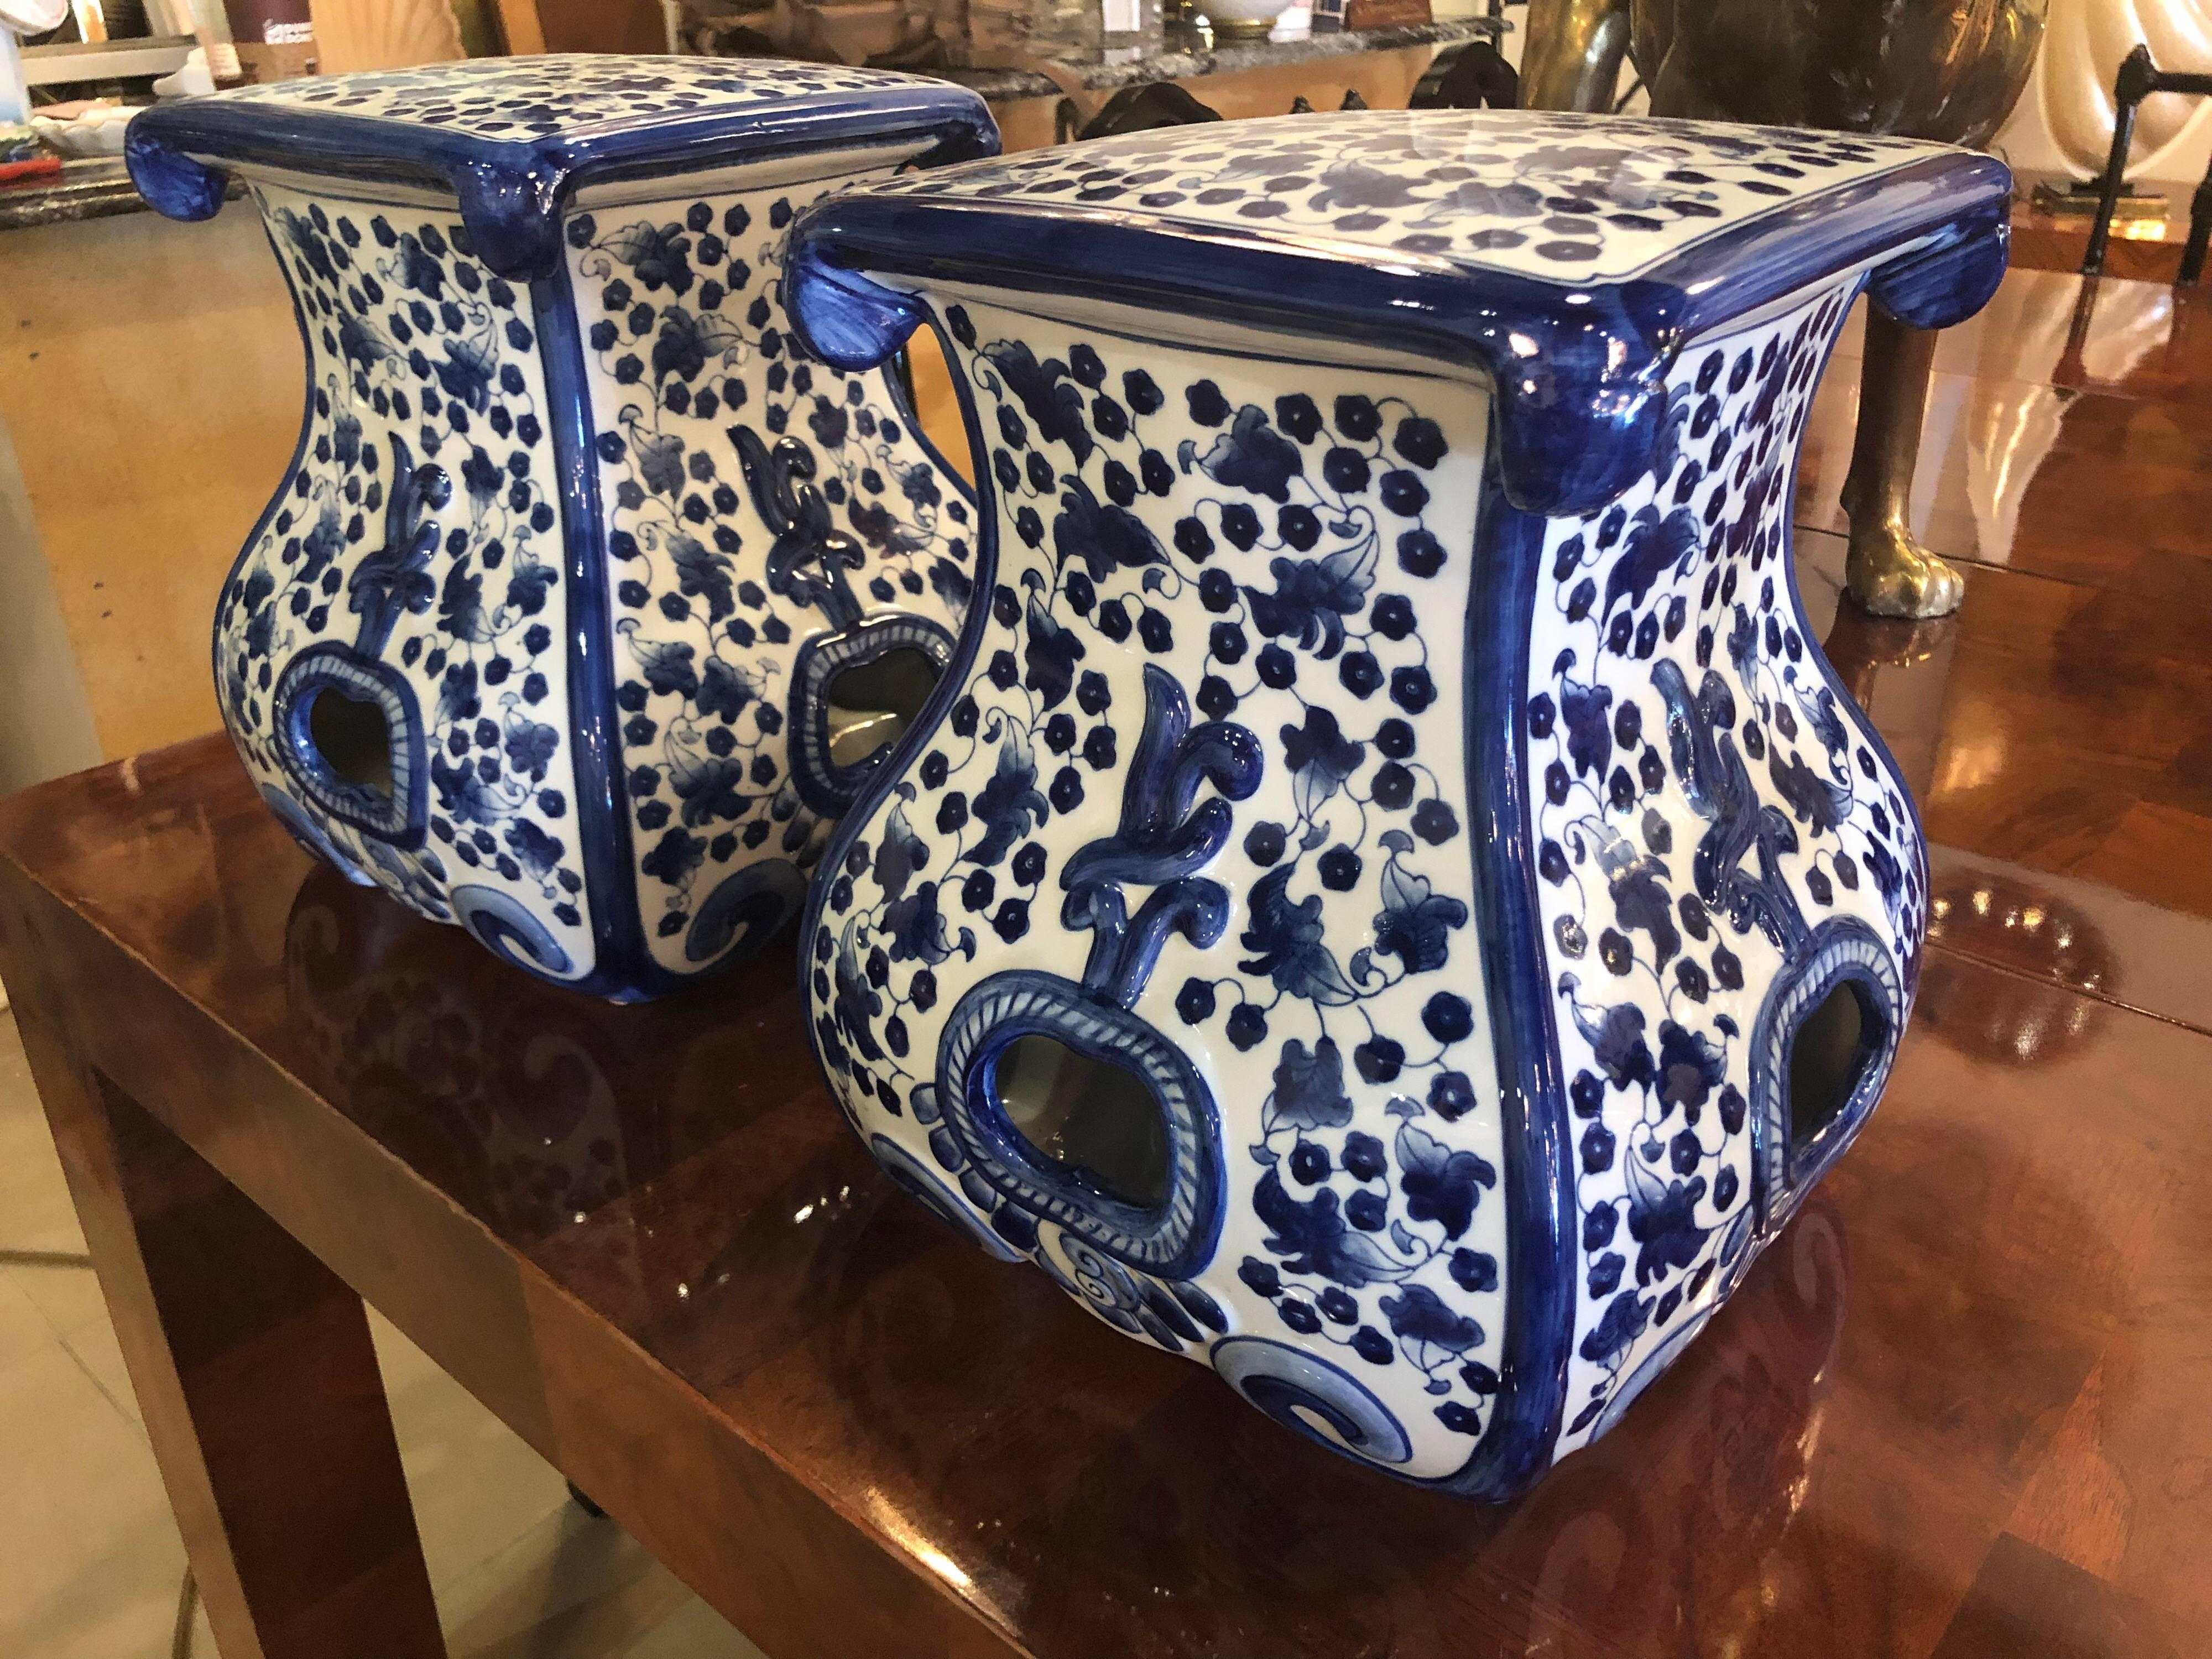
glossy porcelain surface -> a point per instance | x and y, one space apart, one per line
1532 192
1454 851
1954 1412
592 538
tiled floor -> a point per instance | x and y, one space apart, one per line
90 1564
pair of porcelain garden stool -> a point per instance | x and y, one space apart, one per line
1369 648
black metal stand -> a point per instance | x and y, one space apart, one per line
2137 80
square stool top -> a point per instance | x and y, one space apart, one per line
515 139
1571 256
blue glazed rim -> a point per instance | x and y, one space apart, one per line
513 191
1572 440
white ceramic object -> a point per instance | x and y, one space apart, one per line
544 628
1241 20
99 130
1389 900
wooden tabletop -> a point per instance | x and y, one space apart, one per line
2147 250
1959 1409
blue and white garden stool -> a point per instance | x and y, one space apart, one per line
1389 900
588 599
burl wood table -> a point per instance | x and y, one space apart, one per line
644 1237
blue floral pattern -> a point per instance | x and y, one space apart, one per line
532 96
751 504
418 530
753 500
1456 844
1549 196
1706 800
1193 754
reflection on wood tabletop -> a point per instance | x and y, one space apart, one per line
1955 1411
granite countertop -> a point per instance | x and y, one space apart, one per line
95 189
100 188
1189 58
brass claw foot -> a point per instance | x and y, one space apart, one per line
1890 574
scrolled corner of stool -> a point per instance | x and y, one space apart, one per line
844 319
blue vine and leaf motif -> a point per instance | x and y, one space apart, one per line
1164 837
1164 834
1285 612
424 419
1676 675
720 441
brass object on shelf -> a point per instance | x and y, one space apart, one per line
1946 69
2077 199
1571 59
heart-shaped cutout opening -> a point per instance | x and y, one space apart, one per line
352 738
873 704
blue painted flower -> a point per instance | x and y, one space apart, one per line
1654 546
915 929
1586 709
1662 1220
701 573
463 795
1473 1270
1364 1156
1690 1068
1348 183
1313 597
1314 1238
1622 1322
1009 805
418 269
710 786
1440 1185
1050 654
674 857
1286 938
1415 922
1816 802
1320 757
527 584
856 1004
1251 455
1105 537
530 746
1418 1316
537 852
903 852
466 373
1052 402
320 547
1309 1087
725 690
666 663
1616 1038
659 256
